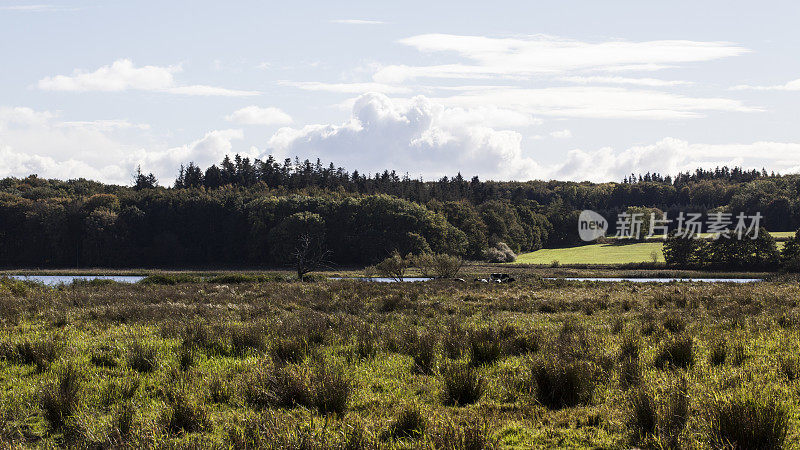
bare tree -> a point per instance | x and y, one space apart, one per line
309 255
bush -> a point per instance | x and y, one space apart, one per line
59 399
562 382
142 357
676 352
747 420
393 267
409 424
439 265
463 384
500 253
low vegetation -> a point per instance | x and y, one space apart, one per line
443 364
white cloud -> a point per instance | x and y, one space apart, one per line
37 142
561 134
346 88
650 82
358 22
521 57
35 8
255 115
670 156
122 75
106 125
417 136
793 85
595 102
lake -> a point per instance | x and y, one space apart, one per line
664 280
53 280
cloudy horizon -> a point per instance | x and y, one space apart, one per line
574 91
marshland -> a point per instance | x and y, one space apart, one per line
247 362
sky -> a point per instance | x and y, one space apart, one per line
569 90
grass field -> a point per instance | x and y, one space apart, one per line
438 365
595 254
599 254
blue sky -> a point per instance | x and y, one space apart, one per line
506 90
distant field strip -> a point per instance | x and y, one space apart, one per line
598 254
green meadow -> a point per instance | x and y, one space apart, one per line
243 362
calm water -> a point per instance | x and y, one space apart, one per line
665 280
381 279
52 280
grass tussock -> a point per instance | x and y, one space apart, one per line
60 397
463 384
747 420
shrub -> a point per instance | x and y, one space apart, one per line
59 399
500 253
562 382
676 352
393 267
409 424
438 265
142 357
463 384
747 420
485 345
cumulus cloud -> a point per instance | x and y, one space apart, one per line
123 75
256 115
522 57
793 85
670 156
36 142
417 136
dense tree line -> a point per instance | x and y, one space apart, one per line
244 212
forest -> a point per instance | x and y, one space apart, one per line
250 213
